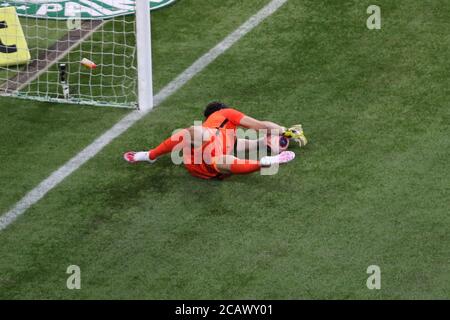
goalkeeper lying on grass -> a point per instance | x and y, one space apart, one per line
208 150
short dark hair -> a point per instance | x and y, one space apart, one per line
213 107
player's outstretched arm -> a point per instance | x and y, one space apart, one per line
252 123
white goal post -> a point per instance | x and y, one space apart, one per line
144 58
87 52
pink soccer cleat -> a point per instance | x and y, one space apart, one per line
129 157
284 157
134 157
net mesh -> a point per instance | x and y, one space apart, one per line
57 45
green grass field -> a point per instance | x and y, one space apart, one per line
371 188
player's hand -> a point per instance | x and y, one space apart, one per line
296 134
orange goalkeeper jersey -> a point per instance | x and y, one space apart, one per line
223 124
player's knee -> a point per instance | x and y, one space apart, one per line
198 135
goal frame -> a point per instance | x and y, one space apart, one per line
144 56
144 68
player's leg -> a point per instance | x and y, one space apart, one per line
165 147
227 164
193 135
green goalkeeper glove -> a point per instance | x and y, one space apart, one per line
296 134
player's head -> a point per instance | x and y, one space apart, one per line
213 107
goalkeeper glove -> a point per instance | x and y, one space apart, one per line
296 134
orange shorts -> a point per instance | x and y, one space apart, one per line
203 170
208 169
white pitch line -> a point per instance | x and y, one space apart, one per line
94 148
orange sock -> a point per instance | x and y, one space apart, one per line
245 166
167 145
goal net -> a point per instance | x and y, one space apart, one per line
77 51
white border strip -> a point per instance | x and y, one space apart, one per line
90 151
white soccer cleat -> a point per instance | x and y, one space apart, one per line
134 157
284 157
